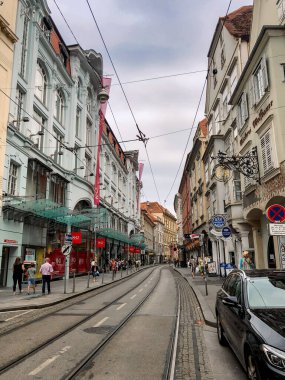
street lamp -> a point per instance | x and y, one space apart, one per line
246 165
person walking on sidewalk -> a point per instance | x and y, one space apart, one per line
31 278
193 265
46 271
18 270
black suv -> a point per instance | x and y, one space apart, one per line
250 310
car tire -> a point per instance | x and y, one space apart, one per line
252 369
220 332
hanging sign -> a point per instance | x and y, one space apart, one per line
131 249
218 221
100 243
137 250
76 237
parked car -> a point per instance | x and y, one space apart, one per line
250 310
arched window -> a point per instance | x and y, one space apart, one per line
59 106
89 101
79 89
41 83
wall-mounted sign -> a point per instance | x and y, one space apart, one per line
76 237
226 232
276 213
261 114
131 249
10 241
218 221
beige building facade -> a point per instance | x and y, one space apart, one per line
8 38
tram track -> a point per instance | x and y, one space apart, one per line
16 361
91 356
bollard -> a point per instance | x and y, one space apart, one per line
88 279
73 288
64 284
102 276
121 272
206 284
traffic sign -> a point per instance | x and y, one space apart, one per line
277 229
68 239
276 213
218 221
226 232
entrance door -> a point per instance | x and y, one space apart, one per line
4 266
271 260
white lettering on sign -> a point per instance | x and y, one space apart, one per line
277 229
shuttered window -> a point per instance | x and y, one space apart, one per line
259 82
266 151
242 111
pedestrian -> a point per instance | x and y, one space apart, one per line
94 270
201 268
18 270
245 261
31 278
46 271
193 265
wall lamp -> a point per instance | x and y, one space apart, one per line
39 133
246 165
25 119
89 175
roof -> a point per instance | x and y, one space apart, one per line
238 22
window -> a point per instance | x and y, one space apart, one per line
41 83
79 89
24 47
20 104
225 106
78 122
59 107
233 80
35 128
223 59
58 141
57 189
88 168
237 187
281 9
46 27
216 119
242 111
210 128
259 82
89 101
13 179
214 201
88 133
207 172
266 151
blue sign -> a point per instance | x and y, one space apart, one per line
218 221
226 232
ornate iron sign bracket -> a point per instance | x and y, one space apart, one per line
247 164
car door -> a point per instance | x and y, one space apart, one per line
222 309
236 321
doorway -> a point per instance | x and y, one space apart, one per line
271 260
4 266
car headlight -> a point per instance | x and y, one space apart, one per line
275 357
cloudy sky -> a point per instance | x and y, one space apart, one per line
149 39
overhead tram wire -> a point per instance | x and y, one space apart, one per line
198 106
142 137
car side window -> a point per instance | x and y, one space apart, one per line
234 288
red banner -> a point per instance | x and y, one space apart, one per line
76 237
131 249
137 250
100 243
106 82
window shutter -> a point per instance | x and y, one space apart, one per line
245 108
266 151
263 67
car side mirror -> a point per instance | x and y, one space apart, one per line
230 301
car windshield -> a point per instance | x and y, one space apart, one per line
264 292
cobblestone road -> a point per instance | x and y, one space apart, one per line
192 362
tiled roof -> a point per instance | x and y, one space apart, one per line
203 127
238 22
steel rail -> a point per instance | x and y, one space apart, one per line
23 357
92 354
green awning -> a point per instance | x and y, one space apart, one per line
113 234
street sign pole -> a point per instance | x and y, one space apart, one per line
67 259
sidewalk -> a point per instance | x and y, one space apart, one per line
23 301
207 302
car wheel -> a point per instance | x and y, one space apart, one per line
220 331
252 367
